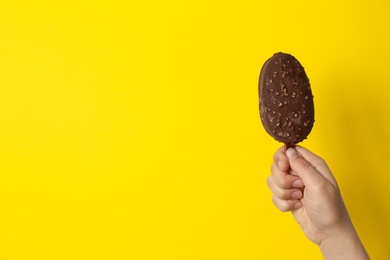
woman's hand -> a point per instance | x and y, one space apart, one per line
302 183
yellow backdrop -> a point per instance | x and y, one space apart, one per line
130 129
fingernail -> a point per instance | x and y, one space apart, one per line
292 153
297 205
297 184
296 195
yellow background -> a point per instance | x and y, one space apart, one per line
130 129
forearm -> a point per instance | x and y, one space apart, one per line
344 245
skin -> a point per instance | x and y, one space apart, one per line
302 183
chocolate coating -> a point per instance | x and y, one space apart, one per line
285 99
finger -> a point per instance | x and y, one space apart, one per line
286 205
309 156
284 194
318 163
309 175
281 160
285 180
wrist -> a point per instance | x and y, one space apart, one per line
343 244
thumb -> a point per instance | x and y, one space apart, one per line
308 174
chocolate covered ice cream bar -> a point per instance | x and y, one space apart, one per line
285 99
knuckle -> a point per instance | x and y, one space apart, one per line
276 155
321 160
320 187
282 205
282 182
269 180
285 194
302 165
321 163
